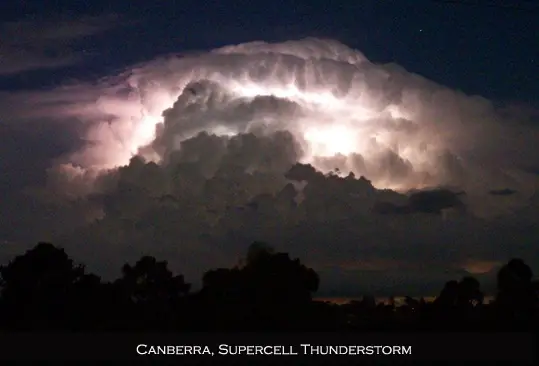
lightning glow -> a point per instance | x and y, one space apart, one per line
331 141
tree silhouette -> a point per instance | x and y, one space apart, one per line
449 294
516 293
222 283
269 288
225 303
37 287
469 292
280 289
44 289
276 276
464 293
150 293
258 250
150 281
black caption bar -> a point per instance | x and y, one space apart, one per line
355 347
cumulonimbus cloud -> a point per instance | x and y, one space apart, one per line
398 129
198 149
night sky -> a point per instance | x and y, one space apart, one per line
485 48
490 50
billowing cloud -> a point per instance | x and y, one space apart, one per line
307 145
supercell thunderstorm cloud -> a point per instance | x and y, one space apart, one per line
193 156
343 112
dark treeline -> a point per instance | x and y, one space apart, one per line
45 290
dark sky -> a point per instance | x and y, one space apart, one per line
489 50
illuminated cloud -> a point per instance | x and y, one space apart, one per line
396 128
193 157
